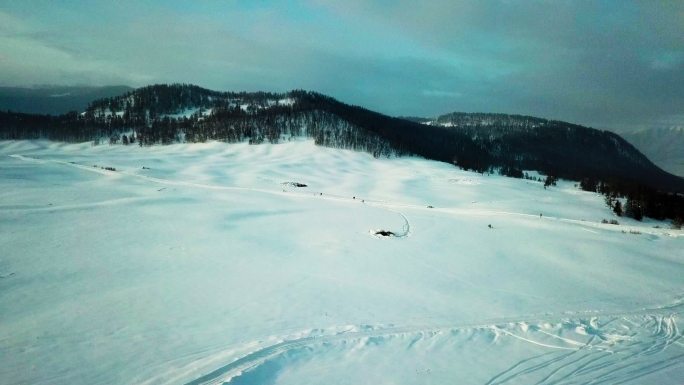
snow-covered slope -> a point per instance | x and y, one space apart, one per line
202 263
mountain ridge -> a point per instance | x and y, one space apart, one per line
475 141
664 145
54 100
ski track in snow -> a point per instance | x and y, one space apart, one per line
625 347
406 227
607 357
390 206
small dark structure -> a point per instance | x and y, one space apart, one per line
384 233
105 167
294 184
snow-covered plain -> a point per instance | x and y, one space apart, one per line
207 266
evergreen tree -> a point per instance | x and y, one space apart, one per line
617 208
550 181
633 209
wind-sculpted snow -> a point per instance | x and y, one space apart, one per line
608 349
206 263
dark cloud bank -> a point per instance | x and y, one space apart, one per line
608 64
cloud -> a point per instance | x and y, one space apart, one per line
591 62
441 93
668 60
31 56
597 63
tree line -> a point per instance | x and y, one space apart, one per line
505 144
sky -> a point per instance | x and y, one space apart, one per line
607 64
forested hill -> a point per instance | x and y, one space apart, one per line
163 114
542 144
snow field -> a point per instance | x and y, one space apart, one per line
204 268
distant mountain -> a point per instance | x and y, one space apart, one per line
482 142
556 147
663 145
54 100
